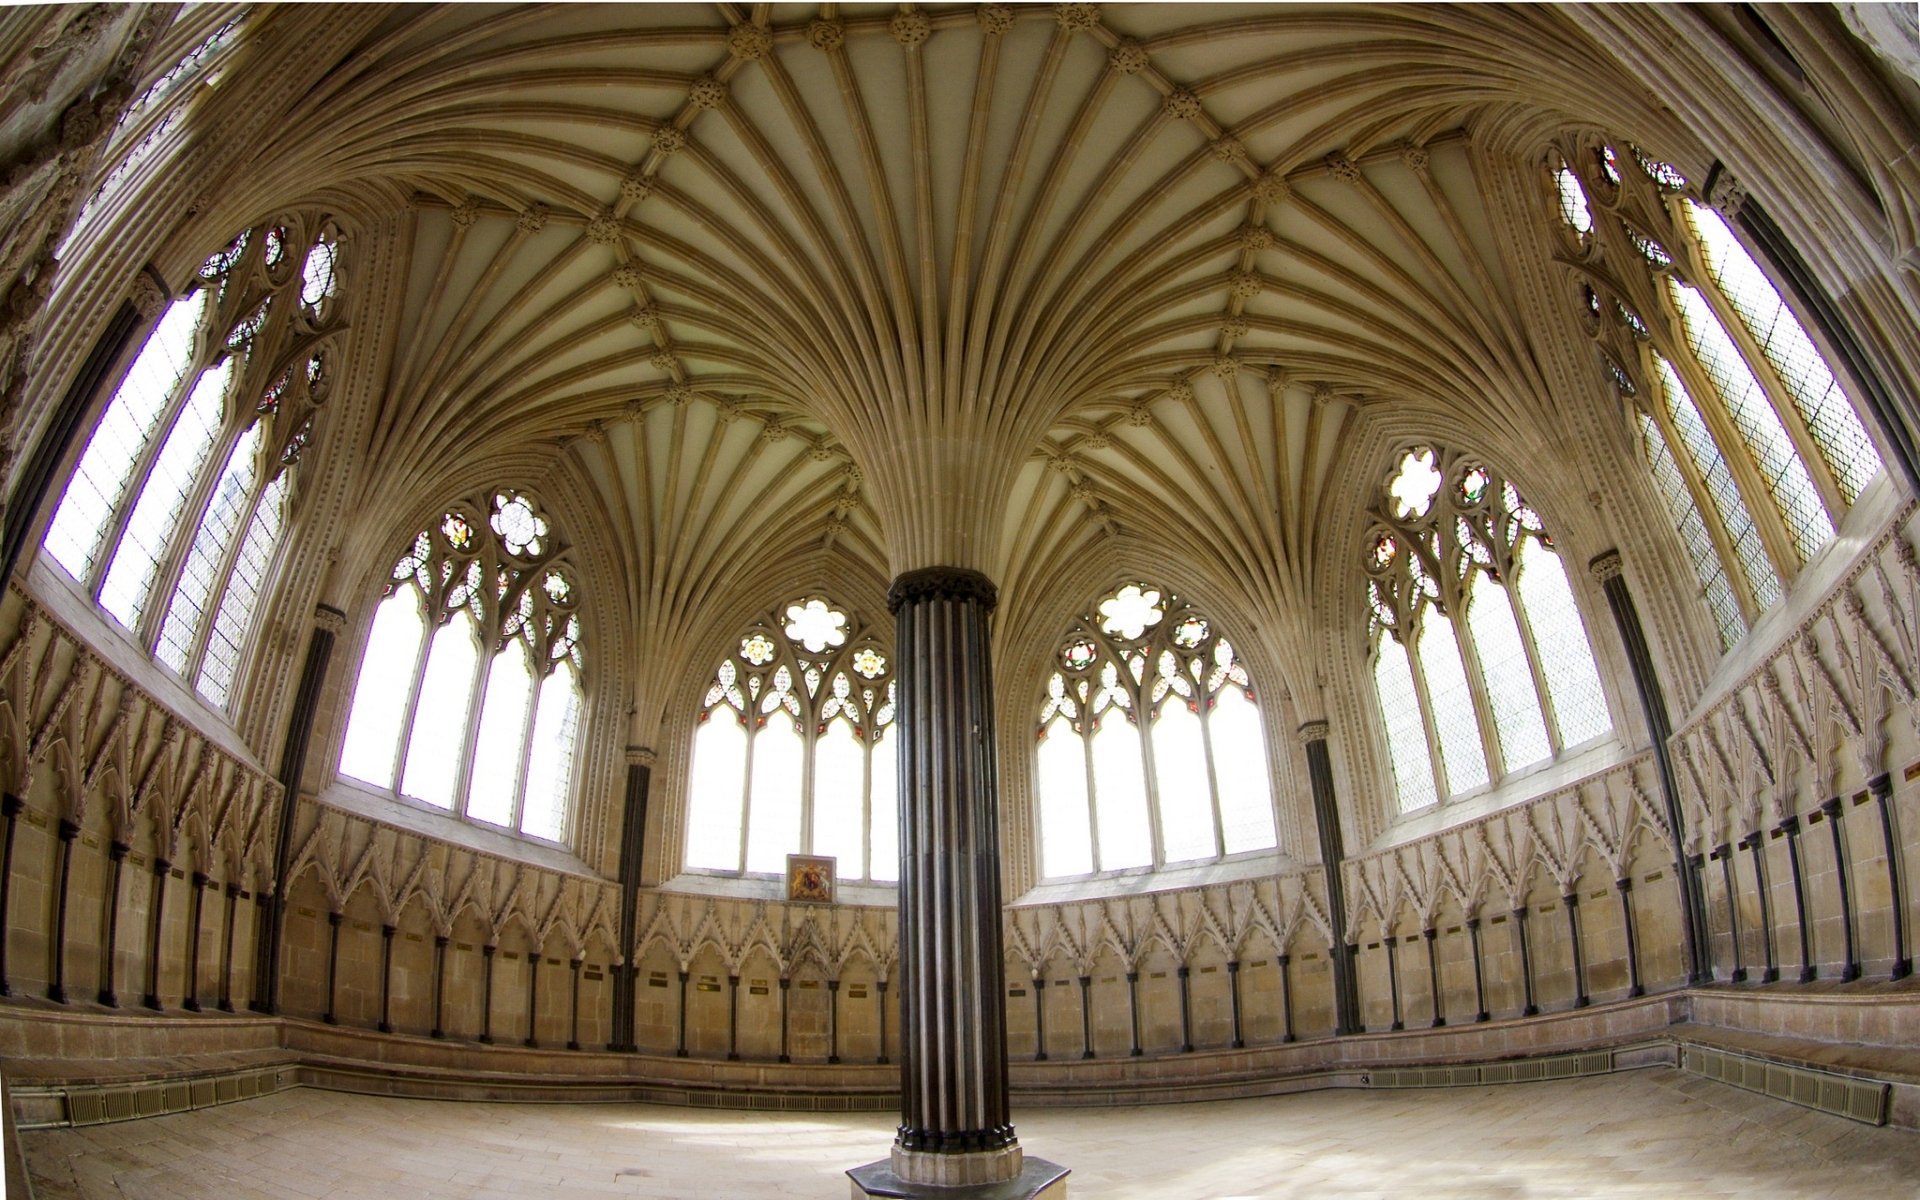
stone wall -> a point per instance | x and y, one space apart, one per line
389 928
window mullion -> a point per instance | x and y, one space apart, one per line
1730 563
252 637
1093 799
866 803
193 514
1204 711
1779 396
1156 835
116 524
752 724
1436 762
1534 666
526 746
223 579
429 633
1485 720
1762 506
476 703
808 737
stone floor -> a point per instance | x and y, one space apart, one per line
1640 1134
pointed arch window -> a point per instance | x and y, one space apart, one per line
1481 663
178 506
1151 748
1754 447
470 693
795 751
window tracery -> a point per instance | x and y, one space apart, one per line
1481 664
1151 747
470 692
173 515
795 751
1754 447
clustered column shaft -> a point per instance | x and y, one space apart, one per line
1326 817
953 1069
1608 569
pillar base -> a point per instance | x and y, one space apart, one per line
1037 1179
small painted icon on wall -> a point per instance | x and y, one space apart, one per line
810 878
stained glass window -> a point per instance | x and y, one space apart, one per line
1151 748
795 752
469 696
173 516
1482 665
1754 447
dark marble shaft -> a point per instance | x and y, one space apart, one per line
953 1061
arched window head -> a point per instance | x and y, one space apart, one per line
1151 745
795 751
1481 663
174 516
470 691
1754 447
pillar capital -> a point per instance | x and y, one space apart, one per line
941 583
330 619
1313 731
1606 565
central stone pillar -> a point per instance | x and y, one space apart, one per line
955 1136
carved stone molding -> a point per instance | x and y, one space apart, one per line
1726 195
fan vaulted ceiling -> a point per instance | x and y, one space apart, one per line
975 284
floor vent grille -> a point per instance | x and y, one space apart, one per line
1524 1070
1862 1100
124 1102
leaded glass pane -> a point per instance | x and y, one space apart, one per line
1823 405
839 789
556 734
1406 735
1760 427
1066 838
378 715
885 806
1559 637
207 554
1120 791
1573 200
1240 769
1698 543
136 560
319 275
1721 490
1180 770
1517 719
235 615
773 832
503 728
716 792
129 425
1461 756
439 741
